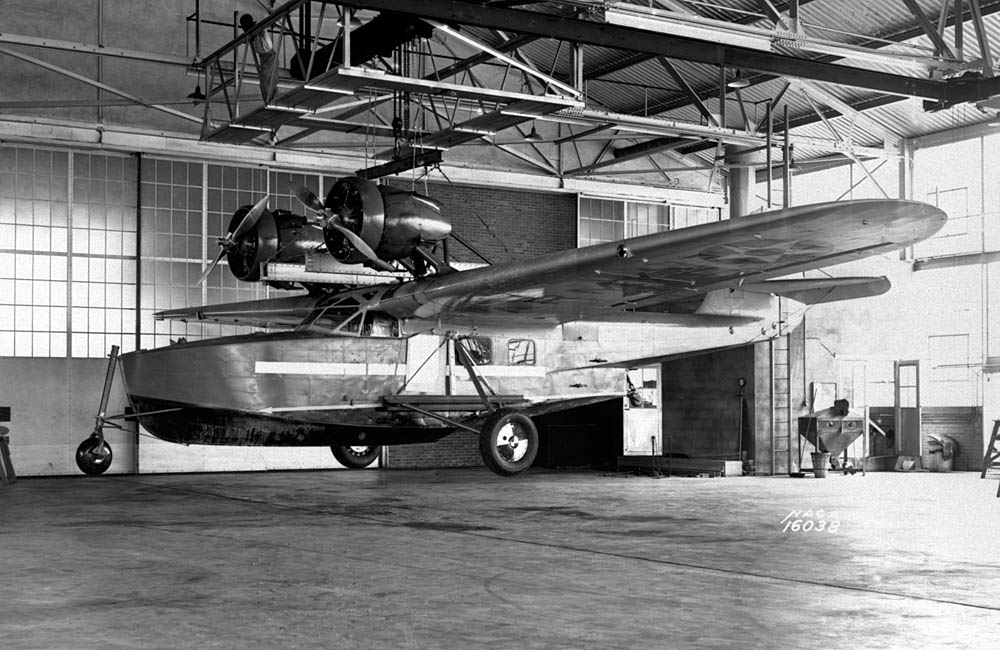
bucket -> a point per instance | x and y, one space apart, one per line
821 461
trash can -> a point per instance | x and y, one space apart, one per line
821 462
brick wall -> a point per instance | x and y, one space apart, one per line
460 449
504 224
517 224
701 410
585 436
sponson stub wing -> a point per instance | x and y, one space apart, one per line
278 313
671 273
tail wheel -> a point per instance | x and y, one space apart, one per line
508 442
356 456
93 457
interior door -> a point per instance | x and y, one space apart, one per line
907 408
643 416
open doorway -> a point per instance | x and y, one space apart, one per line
643 415
907 407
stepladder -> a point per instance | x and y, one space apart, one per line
991 459
7 474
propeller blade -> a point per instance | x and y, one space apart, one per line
308 199
360 245
249 221
211 267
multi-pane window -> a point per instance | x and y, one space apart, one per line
600 220
646 218
67 252
172 244
608 220
34 240
103 253
72 224
684 216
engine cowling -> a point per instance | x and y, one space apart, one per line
392 222
279 236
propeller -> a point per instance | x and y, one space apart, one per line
335 221
359 244
310 200
231 239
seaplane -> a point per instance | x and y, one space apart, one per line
433 349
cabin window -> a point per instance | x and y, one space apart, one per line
378 324
521 352
480 349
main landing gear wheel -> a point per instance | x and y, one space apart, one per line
93 457
356 456
508 442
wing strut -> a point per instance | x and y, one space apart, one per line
477 380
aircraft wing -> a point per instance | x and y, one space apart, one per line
659 278
661 275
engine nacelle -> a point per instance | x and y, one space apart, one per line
392 222
279 236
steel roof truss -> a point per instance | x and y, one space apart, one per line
686 87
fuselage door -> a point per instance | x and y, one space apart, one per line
425 364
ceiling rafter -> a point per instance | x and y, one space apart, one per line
639 58
626 38
946 20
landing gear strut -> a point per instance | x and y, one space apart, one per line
94 456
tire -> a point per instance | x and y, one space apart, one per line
508 442
356 456
92 458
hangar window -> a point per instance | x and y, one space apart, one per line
521 352
187 206
608 220
684 216
480 349
103 249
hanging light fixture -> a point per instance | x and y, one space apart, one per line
739 81
533 136
196 95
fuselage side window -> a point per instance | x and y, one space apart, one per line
378 324
521 352
480 349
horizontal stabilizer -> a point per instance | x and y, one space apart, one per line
812 291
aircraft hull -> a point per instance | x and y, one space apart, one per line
186 424
283 389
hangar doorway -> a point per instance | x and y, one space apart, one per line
585 436
710 406
643 413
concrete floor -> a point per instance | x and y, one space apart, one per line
465 559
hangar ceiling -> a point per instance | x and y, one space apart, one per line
659 92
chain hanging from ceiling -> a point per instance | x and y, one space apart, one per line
401 100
